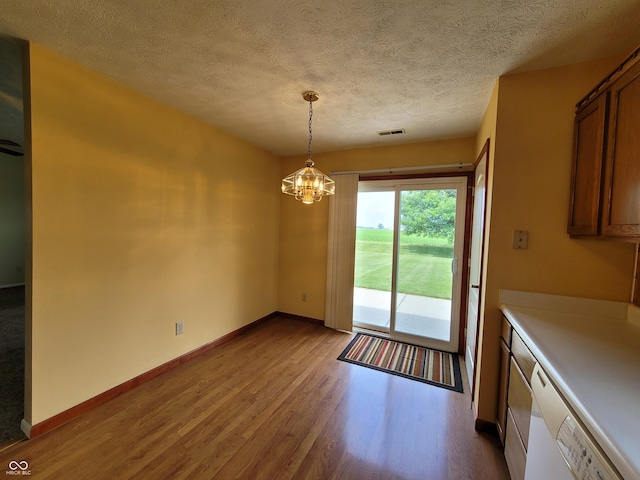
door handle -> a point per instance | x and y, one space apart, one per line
454 266
475 286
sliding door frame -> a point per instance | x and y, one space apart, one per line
464 263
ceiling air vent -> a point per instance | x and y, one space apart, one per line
397 131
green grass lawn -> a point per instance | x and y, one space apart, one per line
424 263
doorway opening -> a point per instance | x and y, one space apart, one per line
13 239
409 245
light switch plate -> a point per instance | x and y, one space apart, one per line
520 239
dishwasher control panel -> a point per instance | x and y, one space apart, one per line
585 459
579 452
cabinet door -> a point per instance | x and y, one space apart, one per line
506 331
589 134
621 215
503 390
519 401
523 357
514 451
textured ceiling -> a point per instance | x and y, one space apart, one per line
427 66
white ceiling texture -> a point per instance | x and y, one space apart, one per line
427 66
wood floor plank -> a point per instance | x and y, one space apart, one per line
272 403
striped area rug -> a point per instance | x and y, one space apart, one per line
410 361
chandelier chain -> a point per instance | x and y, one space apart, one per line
310 132
308 185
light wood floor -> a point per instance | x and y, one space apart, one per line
273 403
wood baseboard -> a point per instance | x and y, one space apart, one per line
301 318
63 417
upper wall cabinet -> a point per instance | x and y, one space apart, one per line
605 178
588 163
622 180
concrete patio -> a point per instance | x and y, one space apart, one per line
415 314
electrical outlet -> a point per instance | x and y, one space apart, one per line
520 239
304 297
179 328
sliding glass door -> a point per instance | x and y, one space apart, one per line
409 243
374 258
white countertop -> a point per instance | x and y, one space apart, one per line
592 354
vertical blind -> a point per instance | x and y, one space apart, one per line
341 253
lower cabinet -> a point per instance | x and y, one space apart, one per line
514 450
519 401
503 389
514 400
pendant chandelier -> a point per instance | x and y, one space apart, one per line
308 184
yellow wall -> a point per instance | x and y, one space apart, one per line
142 217
487 128
530 191
303 228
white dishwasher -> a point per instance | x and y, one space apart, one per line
559 446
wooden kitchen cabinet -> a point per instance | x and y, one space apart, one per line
519 401
503 386
514 451
514 399
503 390
605 175
622 180
587 170
523 357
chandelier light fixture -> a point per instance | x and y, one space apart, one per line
308 184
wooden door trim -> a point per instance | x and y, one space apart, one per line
483 153
466 251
